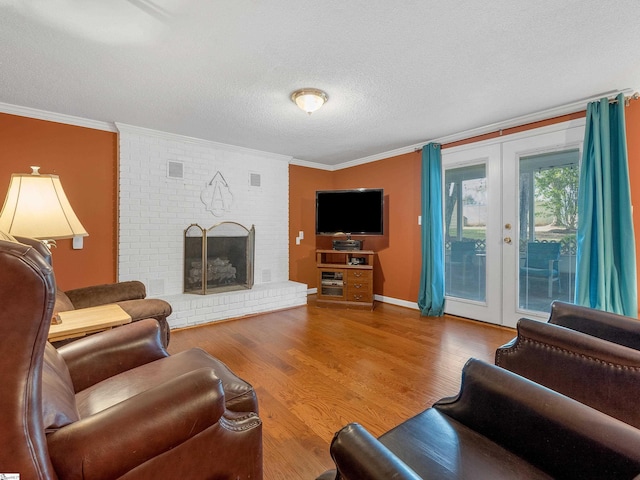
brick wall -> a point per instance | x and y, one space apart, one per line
155 209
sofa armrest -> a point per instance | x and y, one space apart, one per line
556 337
97 357
598 373
579 441
597 323
116 440
108 293
359 455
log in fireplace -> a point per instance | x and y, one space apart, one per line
218 259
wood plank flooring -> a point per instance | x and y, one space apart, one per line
316 369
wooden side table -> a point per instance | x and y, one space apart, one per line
81 322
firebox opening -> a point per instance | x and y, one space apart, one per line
219 259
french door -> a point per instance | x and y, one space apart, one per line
509 223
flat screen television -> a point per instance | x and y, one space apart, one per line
351 212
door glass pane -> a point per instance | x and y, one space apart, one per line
548 213
465 232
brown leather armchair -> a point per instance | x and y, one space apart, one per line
500 426
586 354
115 404
130 296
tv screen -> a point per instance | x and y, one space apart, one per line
355 212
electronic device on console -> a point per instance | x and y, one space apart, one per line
347 244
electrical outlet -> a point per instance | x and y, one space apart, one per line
78 243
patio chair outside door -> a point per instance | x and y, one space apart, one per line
542 262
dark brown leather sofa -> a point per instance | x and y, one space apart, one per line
586 354
115 404
597 323
500 426
130 296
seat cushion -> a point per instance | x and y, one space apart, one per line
438 447
239 395
58 396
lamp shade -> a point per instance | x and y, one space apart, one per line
37 207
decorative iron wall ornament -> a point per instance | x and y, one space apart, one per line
217 196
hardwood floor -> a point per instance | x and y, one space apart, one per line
316 369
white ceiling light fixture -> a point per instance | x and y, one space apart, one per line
309 99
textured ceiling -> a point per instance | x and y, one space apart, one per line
397 73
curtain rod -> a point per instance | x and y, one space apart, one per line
534 117
627 99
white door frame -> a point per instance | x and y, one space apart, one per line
501 156
489 155
512 152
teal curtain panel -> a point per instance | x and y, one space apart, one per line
606 259
431 295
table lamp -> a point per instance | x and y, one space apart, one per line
37 207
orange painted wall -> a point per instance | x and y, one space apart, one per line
398 252
632 117
86 161
303 183
396 274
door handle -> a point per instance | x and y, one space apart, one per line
507 240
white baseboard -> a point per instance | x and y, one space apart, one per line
397 301
381 298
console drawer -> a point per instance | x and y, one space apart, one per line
359 276
359 286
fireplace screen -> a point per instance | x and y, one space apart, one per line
218 259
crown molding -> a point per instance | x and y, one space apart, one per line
317 166
174 137
56 117
555 127
558 111
381 156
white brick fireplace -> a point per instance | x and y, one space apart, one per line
166 184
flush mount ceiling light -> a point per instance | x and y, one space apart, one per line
309 99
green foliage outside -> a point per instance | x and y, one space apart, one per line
557 193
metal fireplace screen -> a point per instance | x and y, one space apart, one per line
218 259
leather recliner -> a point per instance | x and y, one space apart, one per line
500 426
584 353
114 404
129 295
